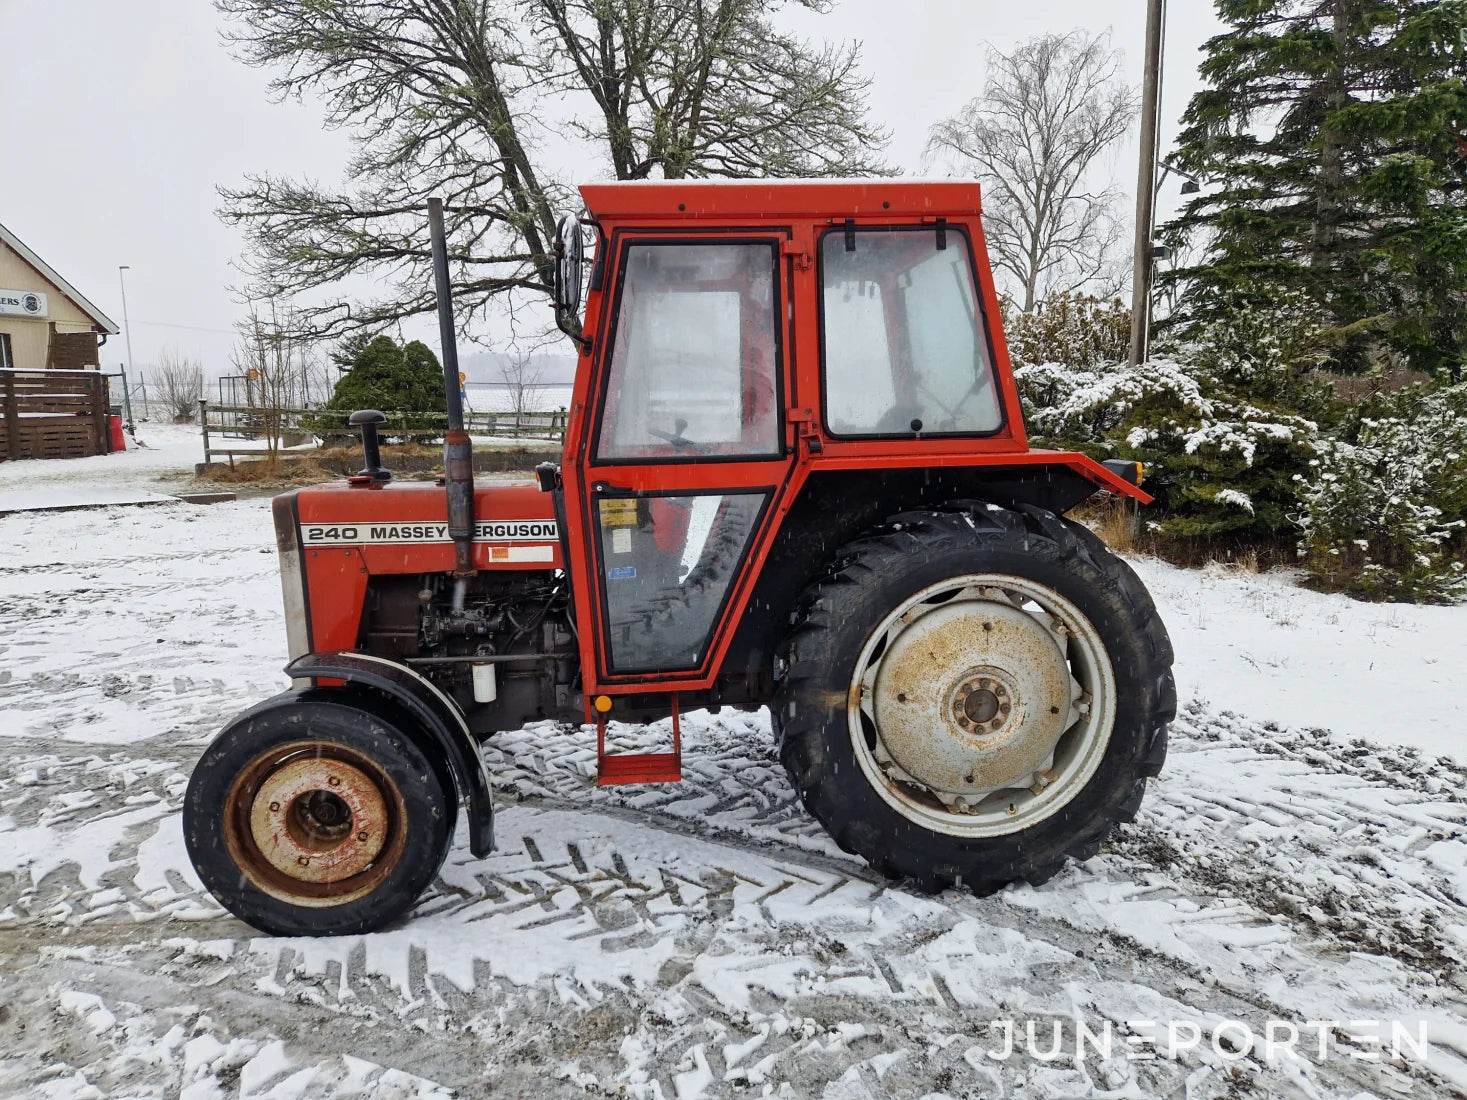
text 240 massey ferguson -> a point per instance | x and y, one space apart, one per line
795 475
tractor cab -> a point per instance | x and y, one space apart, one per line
795 477
742 353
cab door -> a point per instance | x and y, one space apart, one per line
683 452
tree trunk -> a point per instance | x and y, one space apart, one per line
1327 203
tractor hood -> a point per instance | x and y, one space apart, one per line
403 526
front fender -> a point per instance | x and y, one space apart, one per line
439 717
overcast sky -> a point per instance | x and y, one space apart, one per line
117 126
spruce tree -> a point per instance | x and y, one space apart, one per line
380 374
385 376
1332 136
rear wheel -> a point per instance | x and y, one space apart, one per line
313 816
975 695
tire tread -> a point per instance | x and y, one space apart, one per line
807 651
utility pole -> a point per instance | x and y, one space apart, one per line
1143 260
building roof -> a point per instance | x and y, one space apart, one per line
100 320
764 199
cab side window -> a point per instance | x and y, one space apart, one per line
904 347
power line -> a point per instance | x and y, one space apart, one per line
191 327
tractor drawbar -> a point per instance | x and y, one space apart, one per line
458 452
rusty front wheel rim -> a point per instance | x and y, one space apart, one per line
285 829
1087 717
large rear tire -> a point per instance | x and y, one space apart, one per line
972 696
310 815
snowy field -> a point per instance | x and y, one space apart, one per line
1301 863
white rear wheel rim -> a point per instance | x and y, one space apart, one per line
914 773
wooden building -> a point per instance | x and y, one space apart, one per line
45 322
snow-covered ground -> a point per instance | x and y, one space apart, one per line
160 453
1264 647
706 939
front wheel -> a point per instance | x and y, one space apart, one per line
311 815
974 696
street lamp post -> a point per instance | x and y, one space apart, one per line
127 337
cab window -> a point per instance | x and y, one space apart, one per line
904 347
695 355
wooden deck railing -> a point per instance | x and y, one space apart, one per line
53 414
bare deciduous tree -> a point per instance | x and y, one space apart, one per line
522 376
462 97
282 369
1048 111
708 88
179 383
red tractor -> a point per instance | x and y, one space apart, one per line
795 476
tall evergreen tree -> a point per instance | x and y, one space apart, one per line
1332 134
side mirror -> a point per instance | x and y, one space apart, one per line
568 250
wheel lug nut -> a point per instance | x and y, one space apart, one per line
995 723
304 861
334 780
1004 707
275 807
362 835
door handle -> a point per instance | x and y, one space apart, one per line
602 488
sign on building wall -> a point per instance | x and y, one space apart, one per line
24 303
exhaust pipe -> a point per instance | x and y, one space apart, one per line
458 456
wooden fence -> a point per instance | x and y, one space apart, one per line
232 431
53 414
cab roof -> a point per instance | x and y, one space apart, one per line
777 199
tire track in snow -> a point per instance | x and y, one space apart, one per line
1357 847
598 909
767 964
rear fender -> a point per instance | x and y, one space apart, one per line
438 717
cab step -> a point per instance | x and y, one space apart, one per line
615 769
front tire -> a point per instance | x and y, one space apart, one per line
311 815
973 696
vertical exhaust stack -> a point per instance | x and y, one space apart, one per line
458 457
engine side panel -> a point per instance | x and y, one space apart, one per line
348 534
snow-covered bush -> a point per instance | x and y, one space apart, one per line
1217 463
1229 427
1385 507
1266 344
1068 328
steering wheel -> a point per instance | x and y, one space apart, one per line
680 441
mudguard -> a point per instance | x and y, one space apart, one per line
439 716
